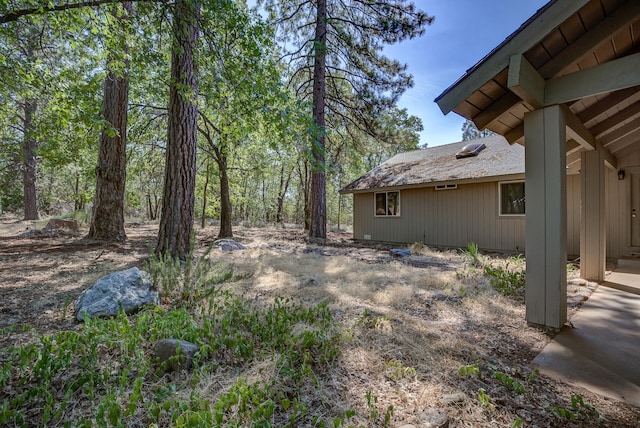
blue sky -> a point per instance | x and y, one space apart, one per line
464 31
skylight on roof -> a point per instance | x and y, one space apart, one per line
471 149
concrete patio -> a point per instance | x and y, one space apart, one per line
602 351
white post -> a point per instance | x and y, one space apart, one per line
592 216
546 210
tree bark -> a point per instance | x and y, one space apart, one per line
226 227
282 191
176 221
204 197
30 163
318 226
107 222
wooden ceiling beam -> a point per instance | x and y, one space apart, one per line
516 135
497 108
577 131
611 122
607 104
610 76
620 132
626 141
625 15
526 82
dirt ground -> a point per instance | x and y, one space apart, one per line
433 314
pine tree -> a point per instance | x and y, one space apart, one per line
337 63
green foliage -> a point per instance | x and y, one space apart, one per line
579 410
397 371
485 400
190 280
105 367
509 381
469 370
473 254
508 279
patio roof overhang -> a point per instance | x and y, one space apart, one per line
583 55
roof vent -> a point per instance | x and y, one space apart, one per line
470 150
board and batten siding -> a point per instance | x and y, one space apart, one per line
454 218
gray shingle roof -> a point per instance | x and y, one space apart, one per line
439 164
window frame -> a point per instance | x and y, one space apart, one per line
386 200
500 205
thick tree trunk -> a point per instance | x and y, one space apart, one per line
107 222
29 167
176 221
226 230
318 226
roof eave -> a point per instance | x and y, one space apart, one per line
545 20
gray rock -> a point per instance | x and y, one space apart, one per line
578 281
399 252
228 245
456 397
309 282
434 418
174 354
128 289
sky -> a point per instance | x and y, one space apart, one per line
463 32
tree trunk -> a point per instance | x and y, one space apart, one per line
282 191
29 169
204 197
176 221
226 230
318 226
107 222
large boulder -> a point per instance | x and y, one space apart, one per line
128 289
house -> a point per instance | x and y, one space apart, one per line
445 197
566 85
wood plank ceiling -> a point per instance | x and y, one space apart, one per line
600 31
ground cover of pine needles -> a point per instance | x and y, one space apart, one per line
291 333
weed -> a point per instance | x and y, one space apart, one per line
397 371
508 280
472 252
510 382
484 399
190 280
469 370
579 409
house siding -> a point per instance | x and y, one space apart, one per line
618 207
454 218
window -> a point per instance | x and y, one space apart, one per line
388 204
512 198
446 186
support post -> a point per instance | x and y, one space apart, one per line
592 216
546 228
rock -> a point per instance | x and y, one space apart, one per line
434 418
128 289
399 252
309 282
62 223
174 354
229 245
448 399
578 281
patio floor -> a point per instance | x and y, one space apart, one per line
602 352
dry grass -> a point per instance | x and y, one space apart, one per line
409 325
